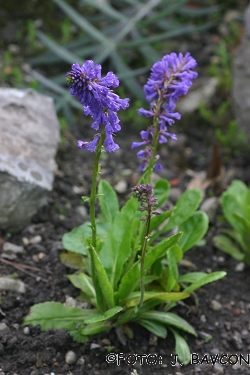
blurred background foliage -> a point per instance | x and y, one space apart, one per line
40 41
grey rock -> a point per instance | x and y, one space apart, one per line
241 82
215 305
218 369
121 186
29 137
3 328
94 346
240 267
7 283
11 250
70 357
26 330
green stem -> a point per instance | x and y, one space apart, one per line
96 170
143 254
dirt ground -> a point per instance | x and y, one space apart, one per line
223 310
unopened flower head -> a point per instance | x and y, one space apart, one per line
170 78
145 195
98 100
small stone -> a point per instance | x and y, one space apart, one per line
26 241
237 311
215 305
240 267
106 342
244 333
3 328
121 186
11 250
35 239
7 283
35 372
218 369
26 330
80 362
203 318
214 351
70 357
82 212
41 255
78 189
93 345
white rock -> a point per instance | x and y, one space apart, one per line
121 186
215 305
94 346
11 250
29 132
82 211
35 239
240 267
7 283
70 357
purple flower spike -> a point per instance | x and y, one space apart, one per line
97 99
170 78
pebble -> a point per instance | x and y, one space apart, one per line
7 283
93 345
82 212
70 357
36 239
26 330
11 250
121 186
80 362
215 305
3 328
218 369
240 267
78 189
25 241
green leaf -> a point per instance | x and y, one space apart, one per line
191 277
109 201
172 261
75 240
156 328
117 247
185 206
181 348
161 191
98 317
83 282
169 319
95 328
194 229
54 315
158 220
160 249
72 260
126 317
128 283
134 298
209 278
104 283
83 23
60 51
226 245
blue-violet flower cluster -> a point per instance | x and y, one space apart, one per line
170 78
98 100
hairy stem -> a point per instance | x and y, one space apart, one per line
144 248
96 170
